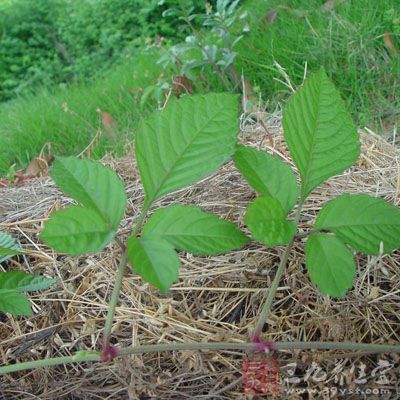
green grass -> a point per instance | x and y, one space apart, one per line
27 124
347 41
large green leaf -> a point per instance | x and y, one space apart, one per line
320 133
363 222
187 141
268 175
21 281
8 247
155 260
15 303
76 230
93 185
267 222
190 229
330 264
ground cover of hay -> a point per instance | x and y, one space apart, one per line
216 298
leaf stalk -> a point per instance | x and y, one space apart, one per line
275 283
119 277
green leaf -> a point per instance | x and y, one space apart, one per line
268 175
93 185
21 281
320 133
190 229
8 247
187 141
266 220
155 260
363 222
76 230
330 264
79 230
14 303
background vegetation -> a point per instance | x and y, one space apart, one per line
64 62
49 42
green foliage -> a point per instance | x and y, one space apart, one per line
23 282
267 222
320 134
28 52
14 282
179 146
90 227
68 119
268 175
77 230
323 142
190 229
211 49
14 302
363 222
51 42
189 140
330 264
348 41
8 247
93 185
155 260
174 148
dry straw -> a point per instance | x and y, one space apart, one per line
216 299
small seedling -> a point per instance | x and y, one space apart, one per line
190 139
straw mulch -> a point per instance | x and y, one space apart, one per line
216 298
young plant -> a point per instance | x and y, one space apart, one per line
174 148
12 283
190 139
323 142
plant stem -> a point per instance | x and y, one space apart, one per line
271 292
118 280
95 356
275 283
141 218
114 298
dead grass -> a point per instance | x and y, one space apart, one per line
217 298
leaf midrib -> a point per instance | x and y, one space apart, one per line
355 225
155 196
313 145
192 235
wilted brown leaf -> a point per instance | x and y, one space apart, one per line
389 44
331 4
108 123
37 167
182 84
271 16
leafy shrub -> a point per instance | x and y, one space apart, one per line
50 42
28 46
